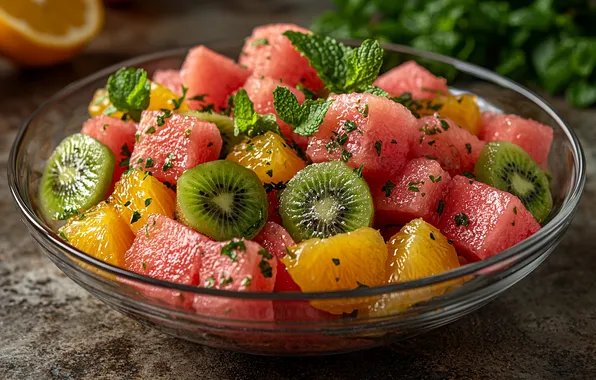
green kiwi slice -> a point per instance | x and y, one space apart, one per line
77 176
325 199
222 199
224 123
508 167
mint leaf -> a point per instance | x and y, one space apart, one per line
325 55
341 68
376 91
363 66
305 118
247 121
129 91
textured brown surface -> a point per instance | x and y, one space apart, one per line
542 328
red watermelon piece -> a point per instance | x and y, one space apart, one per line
117 134
417 192
267 52
273 210
379 133
170 251
276 239
213 75
170 79
181 143
239 265
455 148
533 137
413 78
483 221
260 91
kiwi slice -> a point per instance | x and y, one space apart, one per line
325 199
77 176
224 123
508 167
222 200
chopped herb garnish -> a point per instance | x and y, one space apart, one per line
469 148
461 220
148 201
513 223
187 132
429 131
269 172
226 280
345 155
161 118
431 157
434 179
413 186
140 160
124 163
342 139
230 249
210 144
449 241
246 281
359 170
198 98
137 137
150 130
335 261
168 164
432 237
265 253
265 268
378 146
364 112
63 235
269 187
431 142
444 124
349 126
149 162
393 141
515 210
178 102
105 126
135 217
144 264
128 203
210 282
469 175
250 147
440 207
260 41
388 187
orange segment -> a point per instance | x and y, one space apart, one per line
38 33
417 250
269 156
100 232
139 194
161 98
344 261
462 109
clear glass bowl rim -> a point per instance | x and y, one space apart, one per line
519 251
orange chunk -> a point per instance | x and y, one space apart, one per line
99 232
462 109
269 156
139 194
417 250
344 261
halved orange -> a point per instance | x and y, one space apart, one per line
44 32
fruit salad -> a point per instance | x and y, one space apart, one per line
296 169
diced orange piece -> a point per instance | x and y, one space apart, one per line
417 250
99 232
462 109
139 194
344 261
269 156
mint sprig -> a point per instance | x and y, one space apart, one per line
129 91
247 121
305 118
341 68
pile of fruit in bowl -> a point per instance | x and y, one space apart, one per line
296 169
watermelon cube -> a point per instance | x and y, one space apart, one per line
260 91
181 143
417 193
117 134
239 265
533 137
170 79
273 210
455 148
267 52
170 251
483 221
276 239
211 76
367 131
413 78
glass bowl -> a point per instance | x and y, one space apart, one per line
243 321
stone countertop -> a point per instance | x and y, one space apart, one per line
542 328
